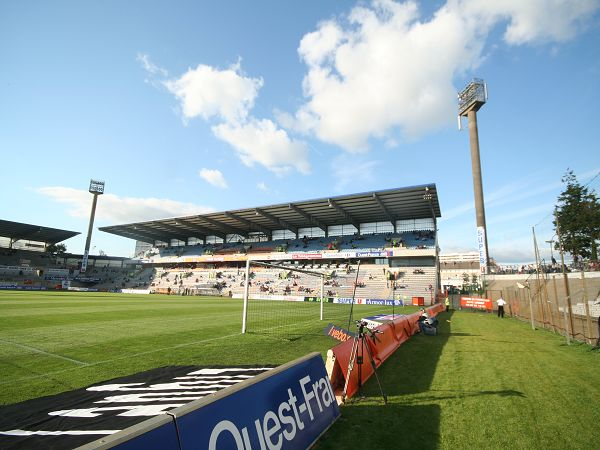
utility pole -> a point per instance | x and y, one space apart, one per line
565 277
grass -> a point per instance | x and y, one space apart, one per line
52 342
481 383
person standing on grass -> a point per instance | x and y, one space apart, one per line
447 303
500 302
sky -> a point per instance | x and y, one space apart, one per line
189 107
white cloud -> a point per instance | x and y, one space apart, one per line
457 211
113 208
352 172
533 185
383 69
209 92
515 250
228 96
512 215
261 141
149 66
532 21
214 177
262 186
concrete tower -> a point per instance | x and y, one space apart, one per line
470 100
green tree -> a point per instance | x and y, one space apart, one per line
56 249
475 283
577 217
465 285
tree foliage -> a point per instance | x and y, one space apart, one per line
577 218
56 249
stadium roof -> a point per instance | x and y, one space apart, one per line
415 202
17 231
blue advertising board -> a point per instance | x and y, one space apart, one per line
288 407
158 432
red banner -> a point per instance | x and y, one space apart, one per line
394 334
476 303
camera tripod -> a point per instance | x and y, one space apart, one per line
359 343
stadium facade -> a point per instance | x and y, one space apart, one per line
391 232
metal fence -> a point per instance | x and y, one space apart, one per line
569 306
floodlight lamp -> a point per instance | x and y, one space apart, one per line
472 97
96 187
427 196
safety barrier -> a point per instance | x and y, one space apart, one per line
288 407
394 334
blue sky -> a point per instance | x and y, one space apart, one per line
190 107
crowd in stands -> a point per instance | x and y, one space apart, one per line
175 276
552 267
339 281
370 242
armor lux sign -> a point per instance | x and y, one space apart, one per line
285 408
475 302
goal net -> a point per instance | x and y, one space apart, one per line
292 299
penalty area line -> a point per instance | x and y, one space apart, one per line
43 352
187 344
87 365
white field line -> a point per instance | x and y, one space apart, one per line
312 319
85 365
43 352
187 344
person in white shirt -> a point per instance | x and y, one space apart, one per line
500 302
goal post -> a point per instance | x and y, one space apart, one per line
246 286
285 270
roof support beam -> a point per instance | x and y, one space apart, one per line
161 235
226 228
286 225
386 211
345 214
249 224
141 235
26 234
203 231
313 220
179 230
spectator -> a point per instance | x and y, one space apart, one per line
500 302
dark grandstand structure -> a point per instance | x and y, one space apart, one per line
27 260
392 233
37 236
356 210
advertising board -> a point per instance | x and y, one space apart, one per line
476 303
482 250
288 407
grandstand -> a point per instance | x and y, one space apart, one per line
26 261
391 232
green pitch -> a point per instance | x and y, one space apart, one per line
52 342
482 383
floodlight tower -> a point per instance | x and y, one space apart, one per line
96 189
470 100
